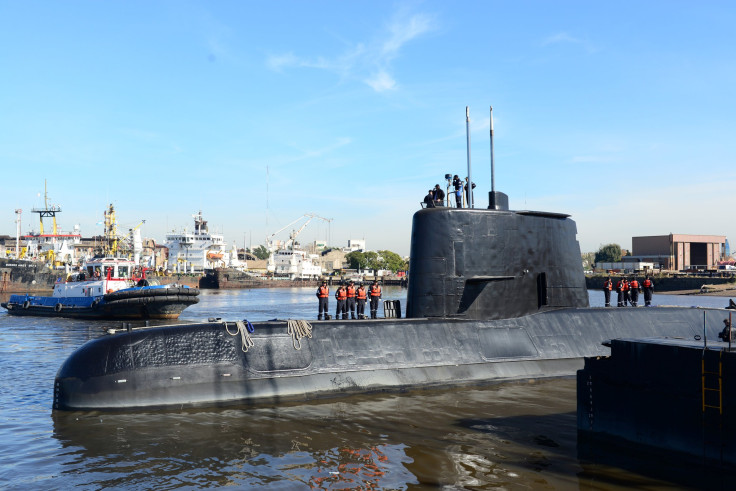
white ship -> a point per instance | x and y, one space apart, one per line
197 251
294 264
287 260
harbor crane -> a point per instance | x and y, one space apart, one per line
272 246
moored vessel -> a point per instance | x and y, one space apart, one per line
493 294
107 288
496 295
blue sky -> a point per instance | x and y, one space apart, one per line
620 114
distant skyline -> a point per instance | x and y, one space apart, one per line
256 113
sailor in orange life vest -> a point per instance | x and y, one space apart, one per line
375 297
341 295
351 299
635 289
607 287
648 285
361 295
323 294
620 292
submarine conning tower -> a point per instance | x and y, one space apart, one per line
493 263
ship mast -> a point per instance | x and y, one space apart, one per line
17 233
470 174
46 211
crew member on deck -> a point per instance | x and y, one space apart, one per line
620 292
351 299
341 295
607 287
458 183
361 295
323 294
429 199
375 297
648 285
635 288
439 196
627 295
468 191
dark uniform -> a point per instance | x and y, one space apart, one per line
648 291
620 292
361 296
351 299
429 199
627 296
375 297
635 288
607 287
458 185
341 295
323 294
439 196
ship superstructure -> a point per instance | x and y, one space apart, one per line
199 250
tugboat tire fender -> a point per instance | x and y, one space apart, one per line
26 304
58 307
96 304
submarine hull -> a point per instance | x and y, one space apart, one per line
207 365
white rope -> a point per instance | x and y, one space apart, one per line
245 340
298 329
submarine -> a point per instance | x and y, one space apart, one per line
493 295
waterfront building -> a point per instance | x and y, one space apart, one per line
679 252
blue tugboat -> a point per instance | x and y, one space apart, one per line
106 289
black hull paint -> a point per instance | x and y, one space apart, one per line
203 365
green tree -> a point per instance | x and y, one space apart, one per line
392 261
261 252
372 260
356 260
609 253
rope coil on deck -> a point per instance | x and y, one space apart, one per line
298 328
246 342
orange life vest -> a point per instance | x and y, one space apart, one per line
375 291
647 283
341 294
361 293
351 291
607 285
323 292
634 285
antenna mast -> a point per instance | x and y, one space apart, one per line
470 176
493 180
496 200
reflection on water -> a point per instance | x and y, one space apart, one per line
517 435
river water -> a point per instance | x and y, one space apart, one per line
506 436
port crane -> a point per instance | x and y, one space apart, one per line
289 244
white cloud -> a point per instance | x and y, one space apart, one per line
278 62
369 62
381 82
565 38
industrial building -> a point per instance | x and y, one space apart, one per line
679 252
